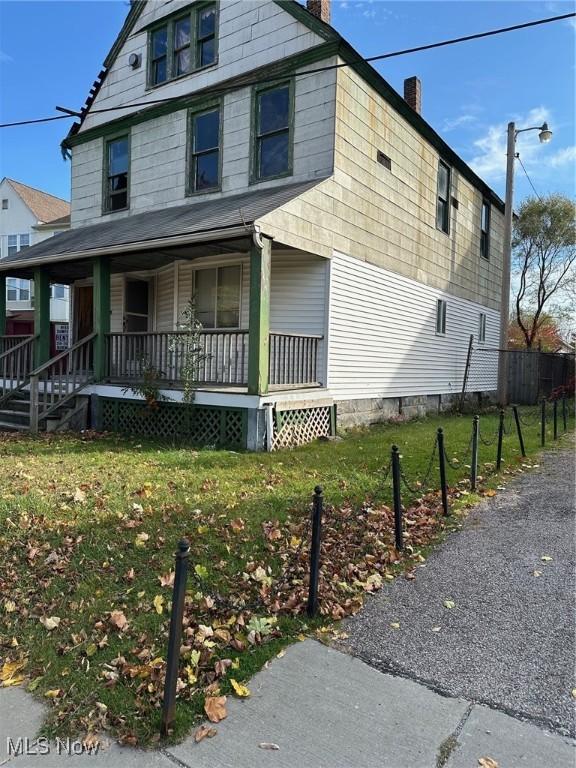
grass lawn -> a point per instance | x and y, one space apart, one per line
89 525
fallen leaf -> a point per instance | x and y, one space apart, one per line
215 708
50 622
546 558
487 762
239 689
574 693
490 492
118 620
53 693
10 672
201 571
167 580
395 625
537 573
140 540
268 745
237 525
436 629
91 649
449 603
35 683
158 604
9 606
79 496
204 732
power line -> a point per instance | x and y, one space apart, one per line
528 177
273 78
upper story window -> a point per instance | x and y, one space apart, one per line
273 133
485 230
17 243
116 174
205 135
4 203
17 290
217 296
57 291
441 317
182 44
443 198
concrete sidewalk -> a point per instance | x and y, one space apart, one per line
323 709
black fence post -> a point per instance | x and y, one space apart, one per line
500 437
317 509
398 539
442 463
175 636
474 462
519 430
564 419
555 416
543 423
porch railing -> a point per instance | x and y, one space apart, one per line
15 366
8 342
58 380
223 357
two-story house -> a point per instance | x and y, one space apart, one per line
338 251
29 216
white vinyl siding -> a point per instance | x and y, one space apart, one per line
165 299
117 303
382 333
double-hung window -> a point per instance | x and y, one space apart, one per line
205 133
217 296
24 241
17 290
183 43
485 230
441 317
116 182
12 244
482 327
272 152
443 198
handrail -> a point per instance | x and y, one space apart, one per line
20 344
63 354
15 366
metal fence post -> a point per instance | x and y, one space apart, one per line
442 464
500 437
466 371
564 419
398 539
474 462
175 636
519 430
317 509
555 415
543 423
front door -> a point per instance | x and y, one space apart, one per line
84 311
136 305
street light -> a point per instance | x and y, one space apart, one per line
545 135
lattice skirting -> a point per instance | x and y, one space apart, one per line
302 425
217 426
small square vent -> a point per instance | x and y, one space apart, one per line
384 160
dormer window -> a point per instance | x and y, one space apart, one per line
182 43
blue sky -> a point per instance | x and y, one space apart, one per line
470 91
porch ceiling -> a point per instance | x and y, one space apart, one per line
152 239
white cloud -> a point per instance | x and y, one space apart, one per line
489 162
456 122
566 156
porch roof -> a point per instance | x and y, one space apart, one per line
159 233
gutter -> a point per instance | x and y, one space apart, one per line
196 237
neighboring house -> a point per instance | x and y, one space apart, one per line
339 252
29 216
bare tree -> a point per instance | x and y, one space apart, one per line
544 261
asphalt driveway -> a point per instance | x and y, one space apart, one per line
508 641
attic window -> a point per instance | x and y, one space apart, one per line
182 44
5 204
384 160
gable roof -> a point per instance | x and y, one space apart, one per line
44 206
357 62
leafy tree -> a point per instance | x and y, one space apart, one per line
543 261
549 336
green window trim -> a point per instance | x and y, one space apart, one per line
192 154
485 216
176 49
107 176
257 136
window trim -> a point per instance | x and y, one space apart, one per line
216 267
195 111
105 201
485 203
256 91
447 201
482 321
442 317
169 21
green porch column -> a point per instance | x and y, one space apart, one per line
101 274
41 317
3 304
259 323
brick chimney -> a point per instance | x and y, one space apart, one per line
320 9
413 93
